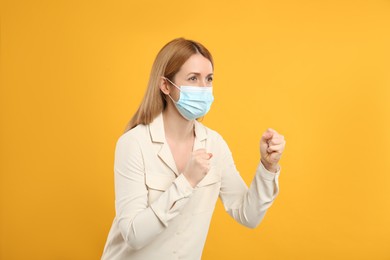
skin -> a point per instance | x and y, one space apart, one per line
179 132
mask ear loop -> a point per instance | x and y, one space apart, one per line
175 87
172 83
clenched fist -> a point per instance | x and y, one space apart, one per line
271 148
198 166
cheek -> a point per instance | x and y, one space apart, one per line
175 94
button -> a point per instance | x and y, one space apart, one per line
174 252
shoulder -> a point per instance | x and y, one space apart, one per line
132 136
128 150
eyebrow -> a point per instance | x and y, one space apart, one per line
197 73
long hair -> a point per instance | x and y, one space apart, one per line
167 63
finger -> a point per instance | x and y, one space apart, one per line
201 150
266 136
272 130
205 155
275 148
276 141
275 157
277 138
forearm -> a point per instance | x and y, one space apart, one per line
257 199
144 226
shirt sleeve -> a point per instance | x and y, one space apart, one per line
138 222
247 205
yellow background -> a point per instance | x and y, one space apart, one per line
74 72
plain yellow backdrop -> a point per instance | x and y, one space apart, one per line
74 72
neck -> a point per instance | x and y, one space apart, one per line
175 126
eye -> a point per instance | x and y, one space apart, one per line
193 78
210 79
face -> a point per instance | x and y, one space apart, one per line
196 71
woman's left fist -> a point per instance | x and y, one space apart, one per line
271 148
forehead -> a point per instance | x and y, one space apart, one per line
197 63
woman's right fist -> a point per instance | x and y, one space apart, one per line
198 166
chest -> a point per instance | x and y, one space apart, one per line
181 154
163 163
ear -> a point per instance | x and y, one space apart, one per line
163 85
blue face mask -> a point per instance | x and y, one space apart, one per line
194 102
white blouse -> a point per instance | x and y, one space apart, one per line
158 213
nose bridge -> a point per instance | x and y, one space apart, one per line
204 82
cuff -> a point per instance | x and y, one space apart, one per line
183 186
267 174
169 204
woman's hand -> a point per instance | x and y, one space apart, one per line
198 166
271 147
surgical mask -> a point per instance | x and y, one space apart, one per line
194 102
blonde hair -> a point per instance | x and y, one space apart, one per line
167 63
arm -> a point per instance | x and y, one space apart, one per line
247 206
138 222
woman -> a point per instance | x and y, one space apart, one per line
170 169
